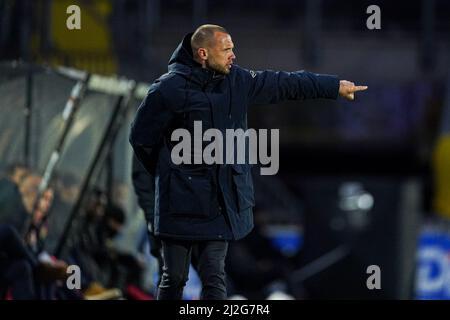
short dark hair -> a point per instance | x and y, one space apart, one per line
204 34
11 168
115 213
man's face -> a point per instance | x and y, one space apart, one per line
220 53
19 175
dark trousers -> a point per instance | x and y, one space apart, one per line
209 261
16 265
156 251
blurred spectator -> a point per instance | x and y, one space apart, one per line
85 237
103 266
20 266
12 209
29 190
20 269
67 187
16 265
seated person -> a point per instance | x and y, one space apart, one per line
19 268
102 265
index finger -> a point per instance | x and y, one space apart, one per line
359 88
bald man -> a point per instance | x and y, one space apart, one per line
198 205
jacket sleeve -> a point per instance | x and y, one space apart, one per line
148 127
266 87
143 184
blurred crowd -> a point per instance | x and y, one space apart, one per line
29 235
36 250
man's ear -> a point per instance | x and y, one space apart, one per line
202 53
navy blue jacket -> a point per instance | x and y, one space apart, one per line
208 202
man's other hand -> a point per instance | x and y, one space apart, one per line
347 89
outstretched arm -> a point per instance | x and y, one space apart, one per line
266 87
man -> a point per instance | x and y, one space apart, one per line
199 204
12 208
19 267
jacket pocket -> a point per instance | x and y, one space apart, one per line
242 178
190 192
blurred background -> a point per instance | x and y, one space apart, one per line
360 183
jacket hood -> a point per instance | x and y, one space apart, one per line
182 60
